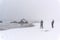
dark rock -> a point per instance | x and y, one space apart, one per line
1 22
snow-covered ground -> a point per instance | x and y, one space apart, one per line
32 33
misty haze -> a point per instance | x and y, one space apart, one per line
29 19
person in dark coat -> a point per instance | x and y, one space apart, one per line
41 26
52 23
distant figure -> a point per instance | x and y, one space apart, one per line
41 26
52 23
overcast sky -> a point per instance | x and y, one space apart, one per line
29 9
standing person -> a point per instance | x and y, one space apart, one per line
52 23
41 26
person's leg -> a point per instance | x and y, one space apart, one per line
52 25
42 26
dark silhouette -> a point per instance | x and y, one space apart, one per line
41 26
14 22
52 23
23 21
1 22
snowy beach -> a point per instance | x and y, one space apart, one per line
30 33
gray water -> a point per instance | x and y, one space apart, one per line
5 26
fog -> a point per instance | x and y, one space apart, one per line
29 9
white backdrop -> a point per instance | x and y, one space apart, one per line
32 10
29 9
